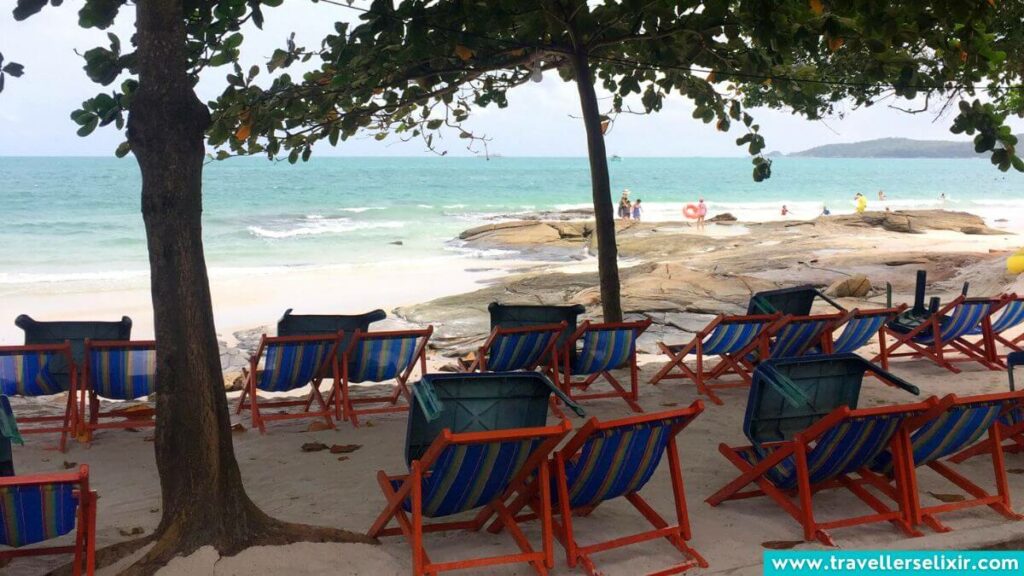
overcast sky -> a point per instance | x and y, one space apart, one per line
34 109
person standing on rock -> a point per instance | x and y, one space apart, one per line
625 208
702 212
637 210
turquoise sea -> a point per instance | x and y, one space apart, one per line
78 218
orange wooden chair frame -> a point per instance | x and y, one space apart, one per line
1000 501
90 403
479 362
84 548
345 406
569 386
330 368
411 488
938 350
701 377
678 535
988 345
70 420
802 511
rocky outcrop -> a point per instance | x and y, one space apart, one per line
916 221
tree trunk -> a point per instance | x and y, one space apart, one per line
203 498
604 211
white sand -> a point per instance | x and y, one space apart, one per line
244 299
318 488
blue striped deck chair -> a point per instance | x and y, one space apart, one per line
290 363
725 337
473 471
1011 424
42 507
377 357
859 328
1007 313
513 349
25 371
950 426
75 333
798 335
118 370
593 351
604 461
784 458
939 338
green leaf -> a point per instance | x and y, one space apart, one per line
89 126
122 149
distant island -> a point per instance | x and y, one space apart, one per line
894 148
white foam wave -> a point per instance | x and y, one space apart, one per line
361 209
314 225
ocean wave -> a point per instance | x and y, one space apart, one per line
361 209
316 225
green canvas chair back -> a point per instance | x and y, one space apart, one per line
313 324
477 402
788 395
76 332
796 301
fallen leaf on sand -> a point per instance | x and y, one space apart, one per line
132 532
154 510
670 403
69 465
314 446
238 427
342 458
149 439
369 424
1015 471
948 497
317 426
345 448
781 544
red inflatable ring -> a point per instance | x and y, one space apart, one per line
690 211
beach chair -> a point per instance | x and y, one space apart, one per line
807 434
608 460
379 357
465 471
592 351
26 371
725 337
939 338
859 327
475 402
521 348
993 329
532 315
74 332
951 425
40 507
290 363
122 371
787 337
1011 424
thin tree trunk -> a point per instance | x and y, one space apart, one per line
604 212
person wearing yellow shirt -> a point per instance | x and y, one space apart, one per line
862 203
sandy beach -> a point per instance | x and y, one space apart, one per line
671 274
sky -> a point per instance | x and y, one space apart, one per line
541 120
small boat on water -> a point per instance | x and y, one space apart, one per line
615 158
